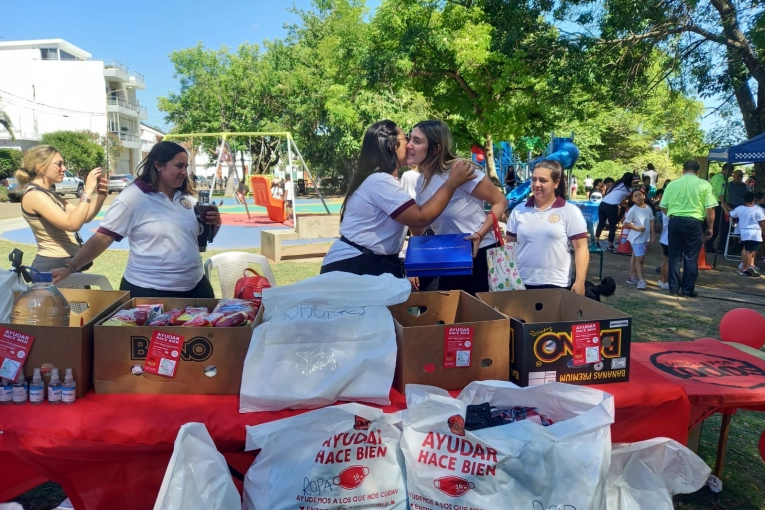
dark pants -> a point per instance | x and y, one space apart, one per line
203 289
710 244
470 283
364 264
611 213
685 238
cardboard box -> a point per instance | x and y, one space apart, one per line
443 255
432 327
119 348
71 347
556 335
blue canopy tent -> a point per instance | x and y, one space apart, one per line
750 151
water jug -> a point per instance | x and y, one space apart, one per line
42 304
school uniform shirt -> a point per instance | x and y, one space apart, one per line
617 194
749 219
370 219
664 239
543 239
464 214
288 190
162 233
409 182
640 217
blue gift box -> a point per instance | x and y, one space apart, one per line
444 255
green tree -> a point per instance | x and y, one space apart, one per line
112 146
10 161
81 154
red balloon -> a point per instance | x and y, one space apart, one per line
744 326
762 446
479 157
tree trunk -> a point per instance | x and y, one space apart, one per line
232 173
491 169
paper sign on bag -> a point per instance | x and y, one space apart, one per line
586 342
163 354
458 346
14 350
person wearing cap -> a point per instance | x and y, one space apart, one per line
718 185
687 201
734 197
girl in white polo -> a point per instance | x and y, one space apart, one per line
543 228
377 210
156 214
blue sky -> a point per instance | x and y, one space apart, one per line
141 34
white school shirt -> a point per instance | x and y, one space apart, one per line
288 190
370 219
276 192
588 183
464 214
617 194
543 237
749 219
640 217
664 239
409 182
162 234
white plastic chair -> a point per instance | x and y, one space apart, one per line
231 268
80 281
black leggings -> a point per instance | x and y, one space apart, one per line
364 264
611 213
202 290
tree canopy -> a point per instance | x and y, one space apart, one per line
80 152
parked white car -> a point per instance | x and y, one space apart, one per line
119 182
70 185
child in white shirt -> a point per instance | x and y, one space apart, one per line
639 220
751 222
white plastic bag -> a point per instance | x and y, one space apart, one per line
10 283
518 465
340 457
197 477
645 475
324 339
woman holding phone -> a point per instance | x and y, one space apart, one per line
156 214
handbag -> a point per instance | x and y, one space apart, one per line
503 265
251 286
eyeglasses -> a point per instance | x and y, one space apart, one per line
59 164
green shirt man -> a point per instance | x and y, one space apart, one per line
690 197
718 182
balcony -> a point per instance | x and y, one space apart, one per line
116 70
129 140
119 105
137 80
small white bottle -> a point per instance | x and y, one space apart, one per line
54 387
69 388
20 389
6 391
37 389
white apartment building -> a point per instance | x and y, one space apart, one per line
51 85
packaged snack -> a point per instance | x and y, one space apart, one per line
232 320
189 313
153 310
165 319
132 317
232 306
203 321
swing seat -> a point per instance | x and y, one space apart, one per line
260 186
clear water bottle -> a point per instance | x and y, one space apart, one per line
42 304
54 388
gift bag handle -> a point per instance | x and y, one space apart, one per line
497 231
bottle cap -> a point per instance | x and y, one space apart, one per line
37 377
68 377
54 375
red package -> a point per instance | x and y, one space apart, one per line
132 317
189 313
233 320
166 319
203 321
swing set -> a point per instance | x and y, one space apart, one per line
260 184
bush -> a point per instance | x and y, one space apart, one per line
10 161
3 194
81 154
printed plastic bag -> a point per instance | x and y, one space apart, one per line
10 284
645 475
341 457
503 264
197 477
518 465
324 339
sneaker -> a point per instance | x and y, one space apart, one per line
664 285
612 249
752 271
755 269
632 281
641 285
742 273
741 266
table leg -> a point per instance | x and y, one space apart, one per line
722 444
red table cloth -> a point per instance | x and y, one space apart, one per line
111 451
716 376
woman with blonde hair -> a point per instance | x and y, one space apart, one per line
157 213
54 221
430 149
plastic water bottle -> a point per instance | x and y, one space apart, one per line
42 304
6 391
20 389
69 388
54 387
36 388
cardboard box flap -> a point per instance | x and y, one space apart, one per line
88 305
548 305
443 307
